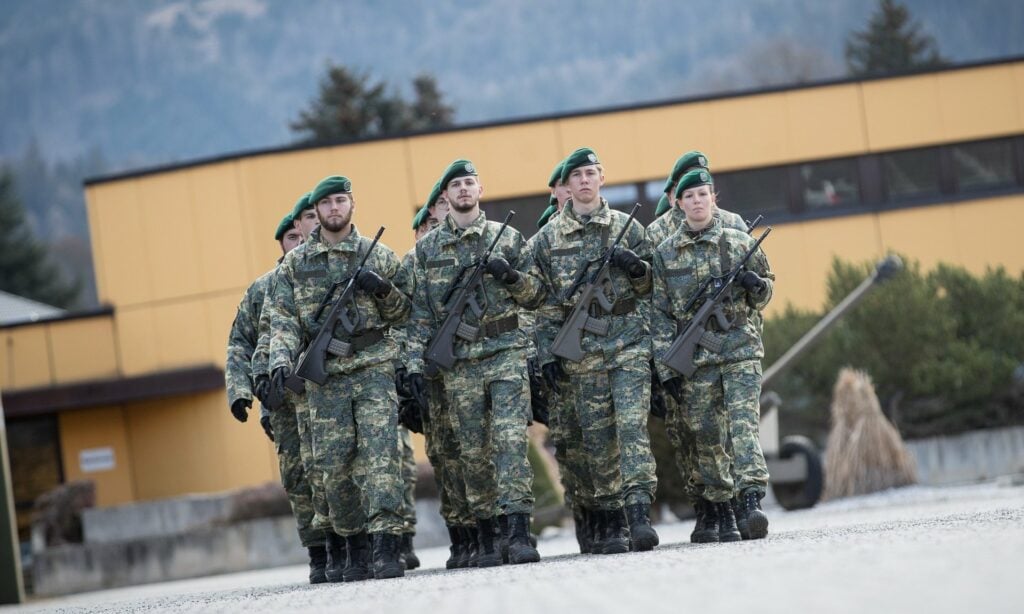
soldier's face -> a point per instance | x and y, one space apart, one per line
335 211
440 209
561 193
585 183
698 204
291 239
307 222
464 193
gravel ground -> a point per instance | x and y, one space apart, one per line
918 549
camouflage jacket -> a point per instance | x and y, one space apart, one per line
560 249
681 263
303 279
440 255
238 374
662 227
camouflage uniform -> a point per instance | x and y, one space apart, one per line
240 376
664 225
353 416
721 399
603 414
408 463
487 388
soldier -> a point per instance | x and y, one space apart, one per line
721 400
487 388
280 428
354 413
605 396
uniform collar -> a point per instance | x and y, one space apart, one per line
455 234
569 221
349 244
710 234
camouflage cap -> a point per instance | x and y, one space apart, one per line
551 210
694 178
458 168
286 224
584 156
335 184
689 160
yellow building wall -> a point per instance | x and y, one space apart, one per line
102 427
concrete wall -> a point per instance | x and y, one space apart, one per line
970 457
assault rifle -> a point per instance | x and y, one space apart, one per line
441 350
344 310
568 341
679 356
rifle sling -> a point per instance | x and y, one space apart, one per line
343 348
620 308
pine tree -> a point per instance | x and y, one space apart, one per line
892 43
349 106
25 266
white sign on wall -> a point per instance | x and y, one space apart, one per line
96 459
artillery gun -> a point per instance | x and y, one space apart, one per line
794 464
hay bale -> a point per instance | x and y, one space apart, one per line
864 452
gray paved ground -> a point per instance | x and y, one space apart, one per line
911 550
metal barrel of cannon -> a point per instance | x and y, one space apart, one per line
794 462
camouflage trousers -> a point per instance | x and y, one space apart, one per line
293 474
408 462
602 419
721 406
354 419
444 455
314 476
684 445
570 459
489 400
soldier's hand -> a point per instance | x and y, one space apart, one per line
553 373
500 269
674 387
276 395
267 428
752 283
409 415
659 409
418 392
239 409
373 284
627 260
402 383
538 400
262 388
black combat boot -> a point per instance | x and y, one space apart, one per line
458 556
317 564
409 557
488 542
503 525
387 562
706 529
336 557
751 521
520 550
470 546
727 531
359 566
613 535
584 537
642 536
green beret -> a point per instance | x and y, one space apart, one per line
663 206
551 210
301 205
556 174
286 224
694 178
584 156
330 185
458 168
689 160
421 215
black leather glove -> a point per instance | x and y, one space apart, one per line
500 269
418 392
373 284
674 387
538 400
276 395
267 428
752 282
553 373
627 260
409 415
262 388
659 409
402 383
239 409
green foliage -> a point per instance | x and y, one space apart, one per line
891 43
942 349
349 106
25 267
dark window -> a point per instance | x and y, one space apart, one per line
911 174
527 208
830 184
653 190
753 192
622 196
34 447
984 166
